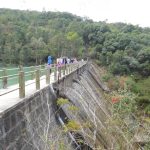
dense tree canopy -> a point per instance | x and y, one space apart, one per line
28 37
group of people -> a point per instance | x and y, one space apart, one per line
61 61
65 60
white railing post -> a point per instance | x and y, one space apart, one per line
47 75
37 78
21 84
55 72
5 78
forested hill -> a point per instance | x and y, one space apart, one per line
27 37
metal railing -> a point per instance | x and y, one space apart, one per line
19 76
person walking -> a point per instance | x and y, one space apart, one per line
49 63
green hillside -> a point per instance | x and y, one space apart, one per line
28 37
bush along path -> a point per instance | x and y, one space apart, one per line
131 108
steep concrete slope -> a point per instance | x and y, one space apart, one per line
86 93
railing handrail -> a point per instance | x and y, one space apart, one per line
38 73
9 69
8 76
18 68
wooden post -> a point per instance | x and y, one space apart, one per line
78 69
69 68
4 78
64 68
55 72
47 75
20 68
37 78
73 67
59 70
21 84
32 73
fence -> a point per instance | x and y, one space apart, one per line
19 76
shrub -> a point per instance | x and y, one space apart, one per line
117 68
72 125
122 82
98 62
147 109
130 83
143 87
113 84
147 146
115 99
124 102
106 77
62 101
73 108
143 99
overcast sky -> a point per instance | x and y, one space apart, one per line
136 12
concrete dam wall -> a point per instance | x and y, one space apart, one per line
34 123
86 93
22 125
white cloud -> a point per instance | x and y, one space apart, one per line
129 11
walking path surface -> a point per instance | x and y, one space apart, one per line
12 98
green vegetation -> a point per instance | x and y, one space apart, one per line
142 88
62 101
72 125
28 37
130 109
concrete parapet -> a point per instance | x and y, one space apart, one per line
22 125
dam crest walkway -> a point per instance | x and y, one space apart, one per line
41 77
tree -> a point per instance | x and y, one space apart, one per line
37 46
75 43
